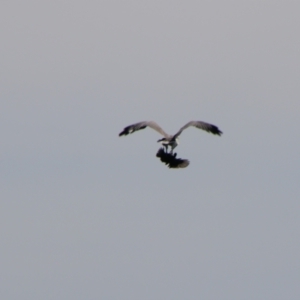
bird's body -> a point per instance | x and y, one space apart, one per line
171 160
170 140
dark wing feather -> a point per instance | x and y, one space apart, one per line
170 159
201 125
141 125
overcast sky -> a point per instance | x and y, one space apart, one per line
88 215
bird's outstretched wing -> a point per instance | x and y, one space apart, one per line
170 159
201 125
141 125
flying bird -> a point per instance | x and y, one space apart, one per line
170 140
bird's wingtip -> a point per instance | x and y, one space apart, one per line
125 131
217 131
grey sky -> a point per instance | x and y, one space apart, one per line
88 215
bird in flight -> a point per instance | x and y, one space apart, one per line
170 140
